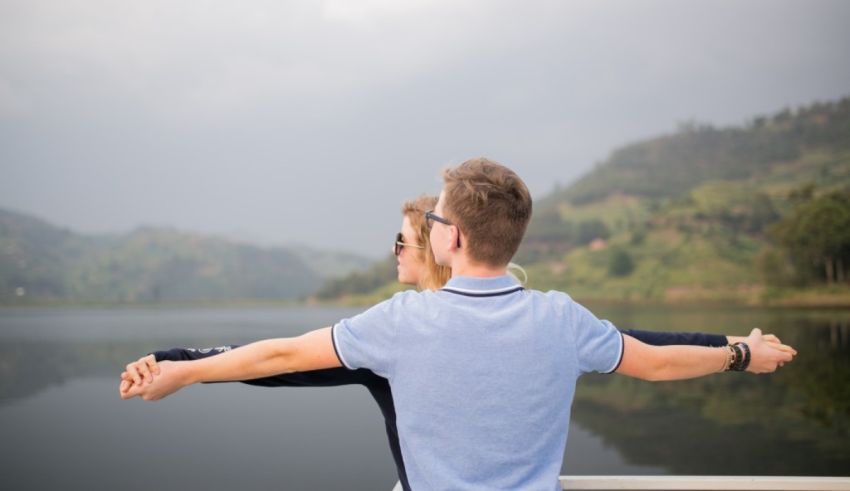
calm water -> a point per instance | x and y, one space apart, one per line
63 424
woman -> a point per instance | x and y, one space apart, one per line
416 266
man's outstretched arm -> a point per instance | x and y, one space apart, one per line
682 362
145 367
311 351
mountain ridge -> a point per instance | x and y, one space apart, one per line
41 262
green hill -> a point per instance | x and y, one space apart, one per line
691 216
363 287
42 263
668 166
331 264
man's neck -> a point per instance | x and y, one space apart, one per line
464 267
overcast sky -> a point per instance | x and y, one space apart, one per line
280 122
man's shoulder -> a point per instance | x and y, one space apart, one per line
409 295
552 296
404 299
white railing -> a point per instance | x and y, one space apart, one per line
701 483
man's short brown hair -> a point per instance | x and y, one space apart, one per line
491 206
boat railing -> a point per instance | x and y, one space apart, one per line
701 483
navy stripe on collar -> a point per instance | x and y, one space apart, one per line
469 293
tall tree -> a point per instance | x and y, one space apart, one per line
817 234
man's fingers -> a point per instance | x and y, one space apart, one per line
768 356
129 390
150 360
755 332
774 342
136 374
778 359
133 371
144 371
136 390
144 367
783 347
771 338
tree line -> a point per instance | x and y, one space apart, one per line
814 240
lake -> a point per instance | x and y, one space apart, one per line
63 424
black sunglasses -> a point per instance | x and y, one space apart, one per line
401 244
430 218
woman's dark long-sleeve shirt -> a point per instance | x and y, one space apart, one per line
379 387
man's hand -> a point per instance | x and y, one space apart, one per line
771 339
141 370
765 355
170 377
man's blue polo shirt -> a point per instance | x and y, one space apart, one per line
483 374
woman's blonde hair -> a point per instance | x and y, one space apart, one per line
433 275
518 273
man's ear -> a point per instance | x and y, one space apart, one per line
454 237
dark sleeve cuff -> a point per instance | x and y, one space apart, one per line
669 338
187 354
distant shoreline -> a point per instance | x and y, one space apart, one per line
834 297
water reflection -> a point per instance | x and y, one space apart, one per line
40 348
795 422
64 425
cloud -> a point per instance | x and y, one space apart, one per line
12 103
272 116
373 12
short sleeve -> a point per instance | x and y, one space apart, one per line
367 340
599 345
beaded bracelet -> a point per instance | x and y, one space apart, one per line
738 359
746 361
730 355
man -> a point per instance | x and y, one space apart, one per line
483 371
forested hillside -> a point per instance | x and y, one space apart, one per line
43 263
699 215
668 166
